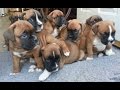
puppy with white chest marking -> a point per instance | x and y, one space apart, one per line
23 43
101 38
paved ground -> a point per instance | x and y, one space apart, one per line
103 69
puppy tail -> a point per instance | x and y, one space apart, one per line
82 55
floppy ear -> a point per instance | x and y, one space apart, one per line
10 32
95 28
51 14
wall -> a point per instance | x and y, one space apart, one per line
82 15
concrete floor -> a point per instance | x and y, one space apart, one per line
103 69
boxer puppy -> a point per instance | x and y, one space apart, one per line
15 17
23 43
54 59
35 18
59 17
101 37
86 28
71 31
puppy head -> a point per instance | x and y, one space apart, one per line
51 55
93 19
23 33
56 13
74 28
58 17
105 30
16 16
35 18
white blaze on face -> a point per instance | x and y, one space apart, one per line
110 38
53 53
39 22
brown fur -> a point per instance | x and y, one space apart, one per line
75 54
29 13
72 24
15 46
98 28
13 15
56 13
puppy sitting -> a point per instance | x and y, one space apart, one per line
23 44
54 59
86 28
101 38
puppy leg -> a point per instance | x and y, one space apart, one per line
16 65
89 52
108 50
82 55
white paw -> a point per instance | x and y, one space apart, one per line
32 67
89 58
109 52
4 46
38 70
100 54
13 74
67 53
31 70
32 61
44 75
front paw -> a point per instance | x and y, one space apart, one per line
89 58
38 70
13 74
44 75
67 53
100 55
109 52
32 68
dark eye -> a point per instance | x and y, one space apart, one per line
106 33
113 33
24 35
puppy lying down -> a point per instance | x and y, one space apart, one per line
54 59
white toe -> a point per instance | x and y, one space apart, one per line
32 67
89 58
38 70
13 74
31 70
67 53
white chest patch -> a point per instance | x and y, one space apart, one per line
55 32
97 43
